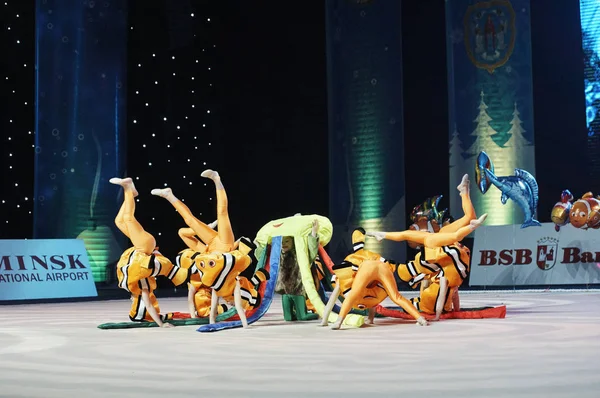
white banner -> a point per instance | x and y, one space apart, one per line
508 255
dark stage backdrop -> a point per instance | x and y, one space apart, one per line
17 119
273 110
80 124
563 158
172 133
239 89
366 141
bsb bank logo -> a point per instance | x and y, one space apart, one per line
547 249
546 255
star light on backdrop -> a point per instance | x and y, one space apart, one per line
171 114
17 19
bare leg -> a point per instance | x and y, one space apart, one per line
455 300
371 318
349 302
330 303
447 238
386 277
408 235
152 311
191 302
213 307
225 232
203 231
367 273
237 298
189 238
424 285
142 240
120 222
441 301
467 206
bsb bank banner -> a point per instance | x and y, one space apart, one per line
511 256
44 269
490 97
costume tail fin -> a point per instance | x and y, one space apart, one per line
358 239
259 276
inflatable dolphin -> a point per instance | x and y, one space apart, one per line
522 188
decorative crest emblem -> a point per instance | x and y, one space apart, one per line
547 250
490 33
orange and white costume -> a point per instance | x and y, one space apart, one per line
220 271
139 265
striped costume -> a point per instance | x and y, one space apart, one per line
137 271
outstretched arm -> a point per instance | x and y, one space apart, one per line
441 299
455 300
191 303
330 304
152 311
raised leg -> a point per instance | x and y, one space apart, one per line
467 206
141 240
237 298
188 236
204 232
408 235
225 232
447 238
120 222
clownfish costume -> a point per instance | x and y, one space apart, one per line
451 261
435 295
346 271
221 272
139 265
201 294
365 280
442 255
137 271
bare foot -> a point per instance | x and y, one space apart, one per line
464 185
376 234
474 224
126 183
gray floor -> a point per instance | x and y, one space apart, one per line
548 346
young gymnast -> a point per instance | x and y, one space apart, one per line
199 296
139 265
443 259
365 279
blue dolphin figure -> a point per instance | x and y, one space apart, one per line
522 188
